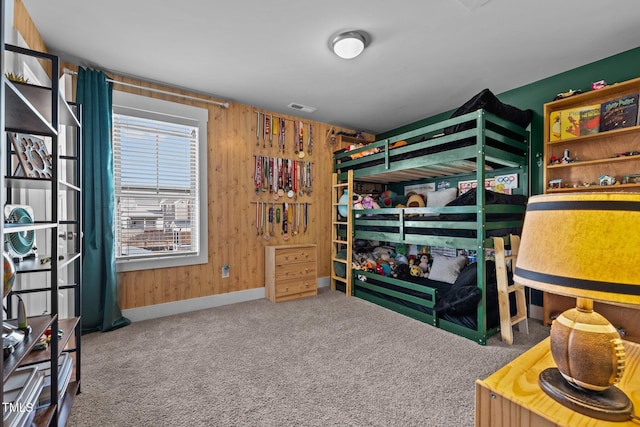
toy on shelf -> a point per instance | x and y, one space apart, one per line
631 179
566 158
555 183
598 85
567 94
607 180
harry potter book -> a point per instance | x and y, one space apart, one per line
619 113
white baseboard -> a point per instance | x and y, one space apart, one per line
324 282
193 304
536 312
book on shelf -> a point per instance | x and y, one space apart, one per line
619 113
554 126
590 119
570 123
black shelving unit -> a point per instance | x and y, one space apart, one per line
42 112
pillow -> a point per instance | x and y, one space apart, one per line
446 269
436 199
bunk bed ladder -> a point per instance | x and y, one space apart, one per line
341 233
504 290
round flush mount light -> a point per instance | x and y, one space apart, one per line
349 44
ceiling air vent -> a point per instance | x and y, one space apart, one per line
301 107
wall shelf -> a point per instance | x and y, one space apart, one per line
55 202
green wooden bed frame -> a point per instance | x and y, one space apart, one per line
502 143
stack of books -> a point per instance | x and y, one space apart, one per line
618 113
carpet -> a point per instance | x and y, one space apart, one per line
322 361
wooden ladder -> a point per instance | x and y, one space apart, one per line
504 290
341 241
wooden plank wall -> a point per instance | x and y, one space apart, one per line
232 236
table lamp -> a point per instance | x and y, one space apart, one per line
587 246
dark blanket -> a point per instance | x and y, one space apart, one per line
455 303
486 100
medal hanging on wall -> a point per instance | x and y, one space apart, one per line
291 220
300 140
269 224
306 216
274 179
265 172
258 219
306 178
292 181
281 178
258 130
296 219
274 129
281 139
267 130
310 141
261 218
290 216
285 228
257 174
272 218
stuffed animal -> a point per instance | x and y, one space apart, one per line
385 267
424 262
386 199
369 203
382 252
357 266
416 271
360 153
402 259
401 272
389 199
357 204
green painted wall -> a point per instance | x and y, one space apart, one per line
616 68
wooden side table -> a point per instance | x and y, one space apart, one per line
512 397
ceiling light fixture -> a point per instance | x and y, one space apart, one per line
349 44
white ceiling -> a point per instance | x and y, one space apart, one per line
425 56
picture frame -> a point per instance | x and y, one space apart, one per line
34 158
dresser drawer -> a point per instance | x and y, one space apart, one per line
297 286
295 271
296 255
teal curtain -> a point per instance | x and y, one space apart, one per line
100 310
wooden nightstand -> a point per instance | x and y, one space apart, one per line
290 272
512 397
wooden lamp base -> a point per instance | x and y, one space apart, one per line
611 404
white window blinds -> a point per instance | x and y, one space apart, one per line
156 185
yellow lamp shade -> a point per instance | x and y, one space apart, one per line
587 246
584 245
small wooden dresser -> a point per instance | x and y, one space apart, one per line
290 272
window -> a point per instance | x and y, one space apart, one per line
159 159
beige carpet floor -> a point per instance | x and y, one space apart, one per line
323 361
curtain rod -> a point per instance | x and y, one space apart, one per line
165 92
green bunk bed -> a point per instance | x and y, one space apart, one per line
475 146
